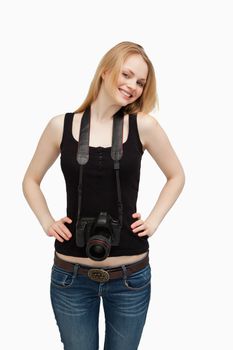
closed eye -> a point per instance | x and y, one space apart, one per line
126 75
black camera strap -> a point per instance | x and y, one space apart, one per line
116 153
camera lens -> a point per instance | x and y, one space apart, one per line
98 247
97 250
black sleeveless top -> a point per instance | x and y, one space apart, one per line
99 191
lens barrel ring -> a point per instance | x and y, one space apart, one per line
98 247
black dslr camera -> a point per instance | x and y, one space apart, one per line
98 234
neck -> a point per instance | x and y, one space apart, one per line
103 108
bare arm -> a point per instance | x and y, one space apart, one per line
46 153
158 145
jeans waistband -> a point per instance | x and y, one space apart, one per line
102 274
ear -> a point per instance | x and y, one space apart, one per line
104 74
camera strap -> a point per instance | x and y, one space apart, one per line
116 153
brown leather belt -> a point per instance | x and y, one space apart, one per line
102 274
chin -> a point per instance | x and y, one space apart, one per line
119 102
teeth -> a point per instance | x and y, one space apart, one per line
125 93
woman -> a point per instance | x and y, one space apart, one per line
124 81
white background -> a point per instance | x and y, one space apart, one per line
49 53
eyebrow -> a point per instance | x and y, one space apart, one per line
133 73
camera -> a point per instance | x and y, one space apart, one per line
98 234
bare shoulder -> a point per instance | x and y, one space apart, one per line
56 122
47 149
157 143
146 120
146 123
55 128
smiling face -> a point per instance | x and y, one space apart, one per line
131 80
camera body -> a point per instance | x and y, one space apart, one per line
98 234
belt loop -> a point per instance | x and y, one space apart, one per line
75 271
125 271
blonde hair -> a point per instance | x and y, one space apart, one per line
113 61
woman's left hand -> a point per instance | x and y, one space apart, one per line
144 227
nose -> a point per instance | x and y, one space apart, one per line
131 85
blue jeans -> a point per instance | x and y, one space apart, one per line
76 300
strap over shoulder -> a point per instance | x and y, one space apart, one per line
84 134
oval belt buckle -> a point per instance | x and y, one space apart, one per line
98 275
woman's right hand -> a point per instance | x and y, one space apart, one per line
58 230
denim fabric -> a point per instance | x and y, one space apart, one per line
76 301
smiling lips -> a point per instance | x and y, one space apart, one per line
125 93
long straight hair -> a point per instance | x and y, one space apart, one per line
113 61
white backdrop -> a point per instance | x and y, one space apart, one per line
49 53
